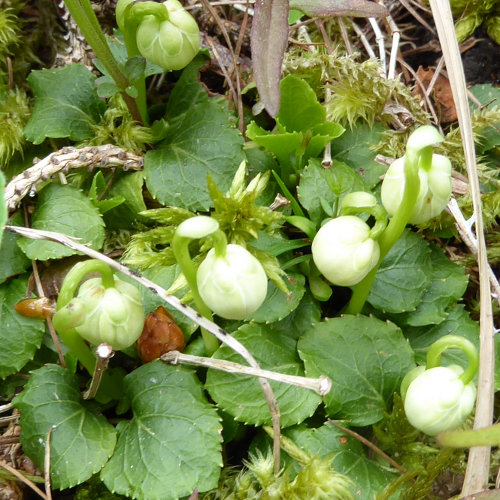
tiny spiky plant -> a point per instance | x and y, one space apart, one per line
9 31
14 113
358 90
118 127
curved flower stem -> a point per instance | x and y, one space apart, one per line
85 18
180 246
448 341
394 229
64 318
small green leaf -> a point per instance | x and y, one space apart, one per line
127 186
172 444
134 68
404 275
353 148
457 322
187 91
12 261
300 110
316 185
348 457
66 210
449 282
97 188
81 441
198 142
20 336
242 397
66 104
366 359
278 304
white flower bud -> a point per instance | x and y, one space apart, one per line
234 285
343 250
437 400
113 315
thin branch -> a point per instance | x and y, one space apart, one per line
321 385
370 445
211 327
6 407
63 160
25 480
468 237
104 354
41 293
46 465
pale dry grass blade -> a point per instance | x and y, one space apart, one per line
476 477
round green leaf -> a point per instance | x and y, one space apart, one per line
242 397
366 358
20 336
66 210
81 441
172 444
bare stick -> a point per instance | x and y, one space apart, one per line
321 385
189 312
104 354
6 407
7 420
25 480
379 38
470 241
478 463
53 334
46 465
364 40
370 445
63 160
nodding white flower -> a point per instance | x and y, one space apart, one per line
113 315
233 285
433 194
343 250
437 400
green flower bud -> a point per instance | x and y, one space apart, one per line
233 285
113 315
437 400
434 191
343 250
170 41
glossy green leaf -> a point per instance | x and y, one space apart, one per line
404 275
172 444
81 441
353 148
348 457
66 104
457 322
20 336
12 261
129 187
97 189
316 185
198 142
66 210
448 284
242 397
366 358
278 304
